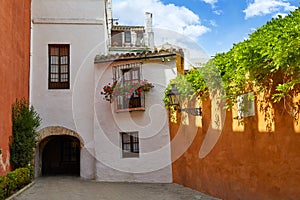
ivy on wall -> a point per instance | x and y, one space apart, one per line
267 63
196 83
269 59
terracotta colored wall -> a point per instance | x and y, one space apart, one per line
14 65
249 164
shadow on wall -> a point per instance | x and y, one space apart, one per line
253 158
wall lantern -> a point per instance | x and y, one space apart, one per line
174 97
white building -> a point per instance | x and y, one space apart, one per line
81 133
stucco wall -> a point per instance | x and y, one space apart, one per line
71 9
153 163
246 161
81 24
14 66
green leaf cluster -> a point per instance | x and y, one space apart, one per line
268 63
25 121
15 180
196 83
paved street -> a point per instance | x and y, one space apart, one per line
75 188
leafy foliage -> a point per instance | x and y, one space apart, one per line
267 63
196 83
14 181
25 122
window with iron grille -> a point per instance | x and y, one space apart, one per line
127 75
130 144
59 66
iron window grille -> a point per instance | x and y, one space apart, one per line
128 75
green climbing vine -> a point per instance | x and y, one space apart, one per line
190 86
267 63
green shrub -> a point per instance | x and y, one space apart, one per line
25 122
14 181
3 187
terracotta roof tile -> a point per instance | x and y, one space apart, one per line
137 55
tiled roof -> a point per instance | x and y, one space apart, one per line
137 55
127 28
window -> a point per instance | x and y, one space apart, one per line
127 76
245 104
59 67
139 40
116 39
130 144
127 37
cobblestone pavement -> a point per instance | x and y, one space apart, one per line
64 187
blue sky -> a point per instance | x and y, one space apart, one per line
215 25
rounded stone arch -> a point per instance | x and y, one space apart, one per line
57 130
44 136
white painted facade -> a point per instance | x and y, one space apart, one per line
81 109
154 161
81 24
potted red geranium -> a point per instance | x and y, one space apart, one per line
125 89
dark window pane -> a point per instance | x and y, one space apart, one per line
130 144
127 37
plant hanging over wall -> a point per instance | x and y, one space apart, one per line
25 121
108 91
197 83
268 64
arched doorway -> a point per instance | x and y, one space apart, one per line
58 151
61 155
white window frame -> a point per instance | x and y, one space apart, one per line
246 105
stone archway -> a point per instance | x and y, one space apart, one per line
50 137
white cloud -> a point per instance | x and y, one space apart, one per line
170 16
213 23
218 12
264 7
281 14
211 2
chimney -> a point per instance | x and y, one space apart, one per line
149 34
109 20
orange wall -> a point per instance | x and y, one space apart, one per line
14 65
249 164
